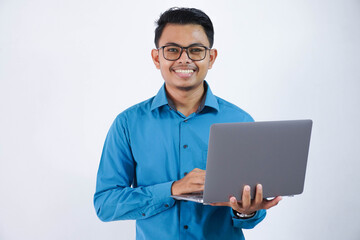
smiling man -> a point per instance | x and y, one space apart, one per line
184 74
158 147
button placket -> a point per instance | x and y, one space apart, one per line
185 166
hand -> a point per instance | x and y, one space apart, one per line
248 206
192 182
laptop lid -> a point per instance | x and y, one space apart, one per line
272 153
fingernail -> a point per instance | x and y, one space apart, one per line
247 188
233 199
259 186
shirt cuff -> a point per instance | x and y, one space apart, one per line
248 223
161 194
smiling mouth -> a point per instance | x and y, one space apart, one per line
184 71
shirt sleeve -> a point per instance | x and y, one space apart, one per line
115 197
248 223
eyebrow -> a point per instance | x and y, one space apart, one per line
178 45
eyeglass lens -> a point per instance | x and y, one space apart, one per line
196 53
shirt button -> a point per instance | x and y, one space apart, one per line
186 227
185 146
166 205
185 173
185 120
143 214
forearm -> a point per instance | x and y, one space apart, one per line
123 203
114 198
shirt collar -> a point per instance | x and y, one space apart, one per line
160 98
209 100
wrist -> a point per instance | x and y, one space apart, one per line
243 215
173 188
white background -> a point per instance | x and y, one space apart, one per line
67 68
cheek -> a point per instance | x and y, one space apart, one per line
165 69
165 66
204 68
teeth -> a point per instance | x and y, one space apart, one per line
184 71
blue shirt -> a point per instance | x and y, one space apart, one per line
148 147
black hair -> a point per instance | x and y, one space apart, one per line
184 16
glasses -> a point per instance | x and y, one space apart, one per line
173 52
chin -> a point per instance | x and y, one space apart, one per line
185 88
187 85
184 84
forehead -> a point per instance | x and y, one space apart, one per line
183 35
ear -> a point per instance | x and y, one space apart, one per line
155 58
213 55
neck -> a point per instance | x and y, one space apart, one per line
186 101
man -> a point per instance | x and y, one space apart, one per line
158 147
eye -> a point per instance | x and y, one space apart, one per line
172 49
196 50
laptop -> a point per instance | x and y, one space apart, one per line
273 153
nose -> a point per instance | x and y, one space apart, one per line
184 58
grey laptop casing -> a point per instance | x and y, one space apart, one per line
272 153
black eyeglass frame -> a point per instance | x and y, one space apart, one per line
182 50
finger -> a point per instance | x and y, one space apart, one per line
198 170
190 188
271 203
222 204
188 184
246 199
196 183
233 203
195 177
259 194
198 179
198 188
